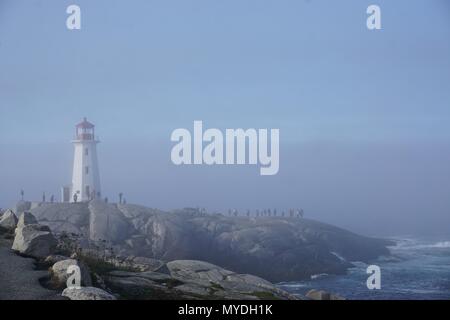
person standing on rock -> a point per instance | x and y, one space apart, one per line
22 193
43 197
75 197
120 197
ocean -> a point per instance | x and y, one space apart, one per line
418 269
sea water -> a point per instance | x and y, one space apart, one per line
418 268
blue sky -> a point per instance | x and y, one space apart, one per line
140 69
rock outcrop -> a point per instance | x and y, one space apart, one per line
274 248
60 275
26 218
8 220
33 240
322 295
189 279
151 278
107 223
87 293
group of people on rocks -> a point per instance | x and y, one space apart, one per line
292 213
298 213
92 196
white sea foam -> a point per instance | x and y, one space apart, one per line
441 244
411 244
317 276
292 285
338 256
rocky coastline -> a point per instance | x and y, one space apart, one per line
134 252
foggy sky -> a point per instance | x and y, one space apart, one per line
363 116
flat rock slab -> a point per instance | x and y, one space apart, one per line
87 293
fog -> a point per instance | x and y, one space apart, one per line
373 189
363 115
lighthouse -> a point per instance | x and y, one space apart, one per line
85 175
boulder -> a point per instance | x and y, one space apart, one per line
54 258
87 293
223 283
194 270
34 240
26 218
60 275
322 295
8 220
142 285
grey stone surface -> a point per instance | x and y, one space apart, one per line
52 259
18 278
60 275
34 240
107 222
322 295
274 248
191 279
64 217
137 263
87 293
26 218
8 220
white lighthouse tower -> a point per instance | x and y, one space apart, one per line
85 177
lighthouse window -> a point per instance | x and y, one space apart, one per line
86 151
86 169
